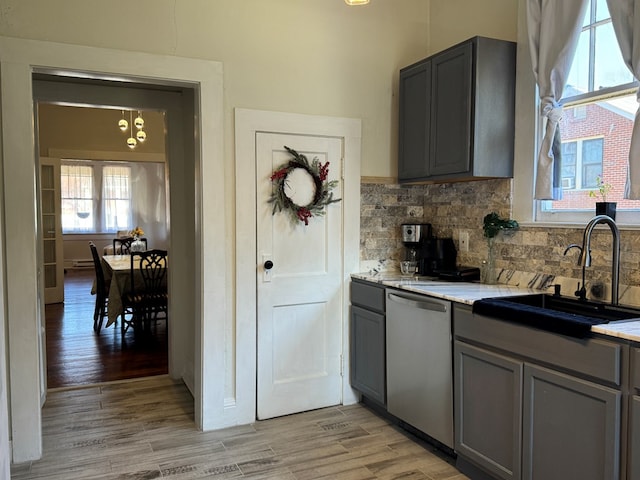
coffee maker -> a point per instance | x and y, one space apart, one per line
414 237
433 255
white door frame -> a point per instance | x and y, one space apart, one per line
247 124
19 270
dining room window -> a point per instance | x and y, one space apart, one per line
96 196
116 198
77 195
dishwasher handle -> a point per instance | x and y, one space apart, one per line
423 304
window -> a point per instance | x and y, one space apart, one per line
599 108
581 163
76 188
116 188
96 197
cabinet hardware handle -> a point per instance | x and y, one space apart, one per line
424 305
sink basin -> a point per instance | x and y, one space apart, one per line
599 310
555 313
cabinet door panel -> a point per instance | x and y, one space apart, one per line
451 111
368 354
414 122
571 428
633 473
488 396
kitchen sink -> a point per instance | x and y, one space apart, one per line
565 315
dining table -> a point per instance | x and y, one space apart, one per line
117 273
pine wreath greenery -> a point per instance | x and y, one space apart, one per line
322 195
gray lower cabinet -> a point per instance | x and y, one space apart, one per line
633 456
571 427
367 351
536 405
488 399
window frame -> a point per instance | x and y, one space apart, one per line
103 198
91 199
98 200
529 130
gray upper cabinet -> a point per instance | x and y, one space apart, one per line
456 119
415 120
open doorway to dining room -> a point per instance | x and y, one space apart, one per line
78 128
106 187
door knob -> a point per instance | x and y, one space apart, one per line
268 265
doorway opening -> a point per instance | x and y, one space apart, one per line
105 188
69 110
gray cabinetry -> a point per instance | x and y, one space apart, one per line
367 357
633 472
488 398
566 391
571 427
456 116
415 120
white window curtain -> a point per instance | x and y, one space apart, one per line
116 195
625 17
553 28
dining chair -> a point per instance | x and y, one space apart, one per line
147 298
122 245
101 290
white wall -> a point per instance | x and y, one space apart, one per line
453 21
304 56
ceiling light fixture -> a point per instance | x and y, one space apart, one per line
356 2
127 126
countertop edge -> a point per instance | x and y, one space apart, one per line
467 293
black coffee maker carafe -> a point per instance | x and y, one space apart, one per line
437 255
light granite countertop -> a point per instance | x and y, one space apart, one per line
469 292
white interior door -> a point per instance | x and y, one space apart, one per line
50 218
299 299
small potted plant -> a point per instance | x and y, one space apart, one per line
492 225
603 207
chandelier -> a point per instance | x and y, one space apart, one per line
138 122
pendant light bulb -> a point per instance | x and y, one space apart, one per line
139 121
356 2
131 141
141 136
123 124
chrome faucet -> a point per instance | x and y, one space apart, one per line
585 255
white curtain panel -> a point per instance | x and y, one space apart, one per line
625 16
553 28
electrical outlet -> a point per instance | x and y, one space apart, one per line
463 241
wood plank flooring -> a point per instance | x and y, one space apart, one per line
144 429
76 355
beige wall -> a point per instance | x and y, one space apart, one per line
304 56
96 130
452 21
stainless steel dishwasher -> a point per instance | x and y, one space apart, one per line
419 363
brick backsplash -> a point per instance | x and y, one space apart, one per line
452 207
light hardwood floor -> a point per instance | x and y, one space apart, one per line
144 429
